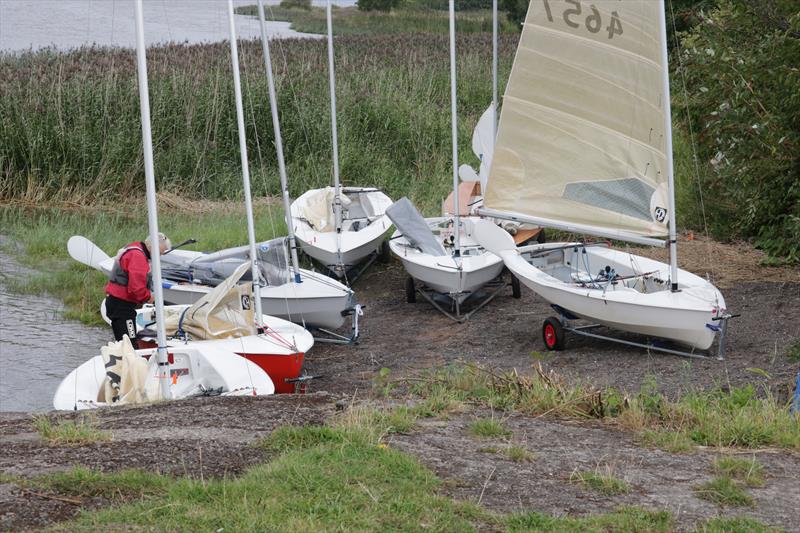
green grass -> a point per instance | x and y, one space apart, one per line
409 19
623 520
724 491
739 524
738 417
748 471
793 353
489 428
600 480
42 235
69 432
519 454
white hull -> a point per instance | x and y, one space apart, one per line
197 366
637 298
457 277
363 230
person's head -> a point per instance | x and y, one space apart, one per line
164 243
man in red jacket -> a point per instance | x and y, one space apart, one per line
130 285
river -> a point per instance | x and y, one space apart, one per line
66 24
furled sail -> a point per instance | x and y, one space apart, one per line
581 135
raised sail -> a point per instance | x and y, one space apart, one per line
581 136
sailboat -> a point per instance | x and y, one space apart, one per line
584 145
341 227
440 254
120 374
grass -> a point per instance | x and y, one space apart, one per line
489 428
406 20
518 454
738 524
624 519
748 471
600 480
69 432
793 353
739 417
724 491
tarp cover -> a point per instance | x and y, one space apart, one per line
414 227
225 312
126 376
581 134
318 209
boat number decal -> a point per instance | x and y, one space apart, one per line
245 302
593 20
661 214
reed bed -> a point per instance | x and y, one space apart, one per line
69 122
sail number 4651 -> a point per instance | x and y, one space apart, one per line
593 21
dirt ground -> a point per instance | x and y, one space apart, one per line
212 437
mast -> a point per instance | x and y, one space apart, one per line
248 200
276 126
337 198
454 127
152 213
495 118
673 239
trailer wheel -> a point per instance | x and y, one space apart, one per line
411 291
553 334
516 291
384 253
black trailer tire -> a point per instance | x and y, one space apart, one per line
411 290
553 334
516 290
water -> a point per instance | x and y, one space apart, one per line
38 347
65 24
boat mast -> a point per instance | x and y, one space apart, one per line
248 200
337 198
673 239
152 213
276 126
495 118
454 127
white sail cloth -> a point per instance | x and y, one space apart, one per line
225 312
581 134
318 209
127 376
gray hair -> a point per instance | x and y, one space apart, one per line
162 241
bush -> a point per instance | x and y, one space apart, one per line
377 5
296 4
740 68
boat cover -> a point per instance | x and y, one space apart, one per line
126 376
317 209
414 227
225 312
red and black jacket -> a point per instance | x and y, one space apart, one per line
130 278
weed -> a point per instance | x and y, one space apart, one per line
623 519
69 432
518 454
793 353
602 480
489 428
748 471
739 524
724 491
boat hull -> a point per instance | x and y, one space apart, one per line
687 316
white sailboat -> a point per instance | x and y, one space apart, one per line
585 145
122 375
440 254
341 227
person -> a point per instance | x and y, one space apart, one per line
130 285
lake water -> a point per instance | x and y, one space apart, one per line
65 24
38 347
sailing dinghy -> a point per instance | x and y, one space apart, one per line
443 261
585 145
341 227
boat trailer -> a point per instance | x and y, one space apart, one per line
330 337
554 328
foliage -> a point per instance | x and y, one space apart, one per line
748 471
377 5
623 520
601 480
738 524
296 4
740 67
724 491
69 432
489 428
794 351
